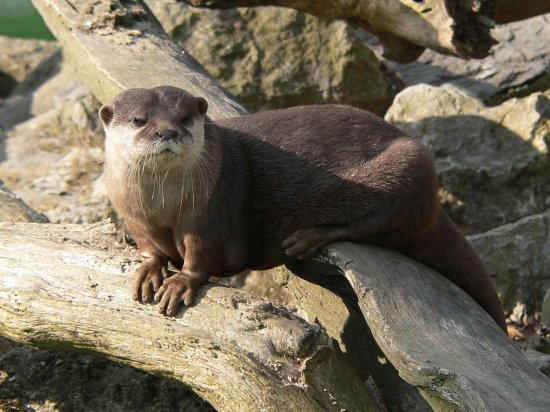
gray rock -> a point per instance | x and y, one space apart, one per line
518 257
275 57
13 209
29 64
492 162
65 133
540 360
21 57
545 312
521 57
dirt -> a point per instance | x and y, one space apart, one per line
33 380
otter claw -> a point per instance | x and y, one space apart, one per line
304 243
149 277
179 289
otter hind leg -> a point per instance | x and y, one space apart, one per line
305 242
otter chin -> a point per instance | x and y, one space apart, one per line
257 191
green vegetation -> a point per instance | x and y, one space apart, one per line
18 18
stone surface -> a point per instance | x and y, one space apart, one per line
275 57
492 162
40 381
66 133
31 63
13 209
518 257
520 63
21 57
545 312
540 360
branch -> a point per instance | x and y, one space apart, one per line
405 27
437 337
68 287
116 45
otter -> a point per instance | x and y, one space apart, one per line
261 190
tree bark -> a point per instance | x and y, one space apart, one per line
117 45
405 27
435 335
67 287
334 306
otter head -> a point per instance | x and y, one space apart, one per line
155 128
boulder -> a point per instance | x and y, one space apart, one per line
492 162
518 257
545 312
273 57
66 133
21 57
24 66
13 209
540 360
517 66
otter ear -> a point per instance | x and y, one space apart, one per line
202 105
106 114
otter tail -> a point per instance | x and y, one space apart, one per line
445 249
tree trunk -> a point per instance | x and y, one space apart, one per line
67 287
405 27
117 45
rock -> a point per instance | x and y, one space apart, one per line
21 57
7 84
492 162
540 360
275 57
32 380
518 257
65 133
545 311
29 63
518 65
13 209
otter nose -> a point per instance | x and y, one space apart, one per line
166 134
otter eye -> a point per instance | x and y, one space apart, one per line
186 120
138 121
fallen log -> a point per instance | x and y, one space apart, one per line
433 333
67 287
405 27
116 45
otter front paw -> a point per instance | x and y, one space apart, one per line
306 242
179 288
149 278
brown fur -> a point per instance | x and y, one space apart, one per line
280 185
